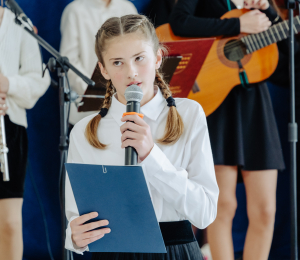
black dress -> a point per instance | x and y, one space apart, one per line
243 129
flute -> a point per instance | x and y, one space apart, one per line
3 151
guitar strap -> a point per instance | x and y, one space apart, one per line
242 72
243 76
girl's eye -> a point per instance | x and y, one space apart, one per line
117 63
140 58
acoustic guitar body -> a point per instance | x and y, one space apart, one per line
219 75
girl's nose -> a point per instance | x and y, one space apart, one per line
132 72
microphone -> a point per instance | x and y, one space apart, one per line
15 8
133 96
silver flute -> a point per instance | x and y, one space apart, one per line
3 151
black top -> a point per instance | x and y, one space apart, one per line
159 11
201 18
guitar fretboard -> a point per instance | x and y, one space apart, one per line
275 33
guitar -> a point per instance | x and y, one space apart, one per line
258 53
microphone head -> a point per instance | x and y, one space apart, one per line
133 93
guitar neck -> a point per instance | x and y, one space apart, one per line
275 33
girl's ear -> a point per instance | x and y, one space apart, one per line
158 59
103 71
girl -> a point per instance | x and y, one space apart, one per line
22 84
172 142
243 131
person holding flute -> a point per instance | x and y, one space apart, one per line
21 85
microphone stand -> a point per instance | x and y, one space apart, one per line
292 134
61 65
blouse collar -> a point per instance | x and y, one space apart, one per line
151 110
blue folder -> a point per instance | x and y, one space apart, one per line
120 195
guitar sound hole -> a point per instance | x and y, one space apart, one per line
234 50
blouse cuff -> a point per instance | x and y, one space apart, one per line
12 88
69 243
155 162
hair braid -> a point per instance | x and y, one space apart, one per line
174 127
92 127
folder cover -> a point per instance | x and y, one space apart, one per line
120 195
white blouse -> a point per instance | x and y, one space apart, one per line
181 176
21 63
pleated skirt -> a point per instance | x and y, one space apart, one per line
179 241
243 130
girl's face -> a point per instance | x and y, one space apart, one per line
129 59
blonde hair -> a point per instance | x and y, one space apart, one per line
115 27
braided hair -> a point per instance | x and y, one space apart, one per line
115 27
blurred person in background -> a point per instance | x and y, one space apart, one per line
80 22
21 85
243 130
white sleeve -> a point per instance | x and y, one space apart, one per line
71 206
69 47
28 86
193 192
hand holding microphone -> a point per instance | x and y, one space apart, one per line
136 133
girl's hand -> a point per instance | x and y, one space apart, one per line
254 22
81 234
3 106
256 4
4 84
137 134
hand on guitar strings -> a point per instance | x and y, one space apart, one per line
254 22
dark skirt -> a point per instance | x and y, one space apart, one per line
243 130
179 240
17 143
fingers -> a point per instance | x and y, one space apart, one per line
257 4
130 126
133 143
256 12
134 118
81 234
130 135
94 225
95 233
91 240
3 108
85 242
84 218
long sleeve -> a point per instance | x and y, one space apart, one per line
69 47
26 87
70 204
193 192
184 22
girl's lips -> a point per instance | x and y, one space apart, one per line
134 83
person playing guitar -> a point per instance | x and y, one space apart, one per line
242 129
